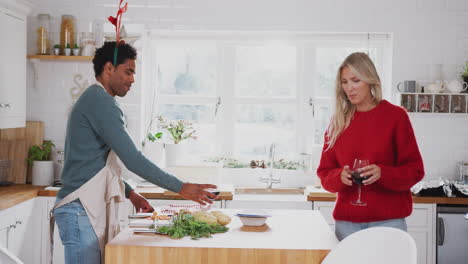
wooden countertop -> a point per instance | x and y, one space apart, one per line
323 195
18 193
289 236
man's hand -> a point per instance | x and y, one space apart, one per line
141 204
197 192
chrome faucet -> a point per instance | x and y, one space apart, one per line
270 180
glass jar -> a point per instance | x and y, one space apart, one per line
67 32
88 44
43 34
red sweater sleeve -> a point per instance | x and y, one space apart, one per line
329 170
409 168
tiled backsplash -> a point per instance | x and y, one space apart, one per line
424 32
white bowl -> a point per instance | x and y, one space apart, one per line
252 221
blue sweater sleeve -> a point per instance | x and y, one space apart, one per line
107 119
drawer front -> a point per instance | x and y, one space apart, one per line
418 218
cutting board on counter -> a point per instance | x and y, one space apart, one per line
16 151
33 133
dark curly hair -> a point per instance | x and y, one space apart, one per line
106 53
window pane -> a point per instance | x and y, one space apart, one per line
327 63
186 68
202 118
266 71
257 127
321 121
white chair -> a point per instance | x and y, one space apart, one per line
6 257
377 245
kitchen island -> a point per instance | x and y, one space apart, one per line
289 236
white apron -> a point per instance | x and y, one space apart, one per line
100 197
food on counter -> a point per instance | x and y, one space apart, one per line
206 217
185 224
222 218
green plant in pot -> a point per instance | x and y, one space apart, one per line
465 73
42 165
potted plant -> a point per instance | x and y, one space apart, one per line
465 73
178 131
56 49
76 50
67 50
42 165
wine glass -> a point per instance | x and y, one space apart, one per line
356 176
208 206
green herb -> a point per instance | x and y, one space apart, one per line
56 46
76 46
465 70
40 153
154 137
186 225
178 129
67 46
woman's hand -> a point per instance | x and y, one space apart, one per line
346 176
373 172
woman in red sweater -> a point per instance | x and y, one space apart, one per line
364 126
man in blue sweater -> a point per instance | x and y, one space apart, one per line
95 127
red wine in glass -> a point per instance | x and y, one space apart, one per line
213 191
356 176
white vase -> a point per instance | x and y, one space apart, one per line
67 52
43 173
154 151
174 154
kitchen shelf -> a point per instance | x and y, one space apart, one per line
61 57
436 103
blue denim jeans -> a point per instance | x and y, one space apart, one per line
77 235
345 228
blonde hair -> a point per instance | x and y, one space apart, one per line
362 66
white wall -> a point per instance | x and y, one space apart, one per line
425 32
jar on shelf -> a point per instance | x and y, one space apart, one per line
88 44
43 34
67 32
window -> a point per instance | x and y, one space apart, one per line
244 91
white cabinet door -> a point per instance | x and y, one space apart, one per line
12 69
20 231
5 222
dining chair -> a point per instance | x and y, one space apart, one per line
6 257
383 245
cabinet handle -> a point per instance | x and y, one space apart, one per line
12 226
440 237
19 222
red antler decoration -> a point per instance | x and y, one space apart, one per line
117 21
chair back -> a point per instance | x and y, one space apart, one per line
6 257
383 245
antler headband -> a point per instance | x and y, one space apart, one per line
117 21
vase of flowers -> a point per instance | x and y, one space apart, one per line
177 133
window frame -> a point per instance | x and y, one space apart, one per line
305 101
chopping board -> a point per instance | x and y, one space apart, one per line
33 133
16 151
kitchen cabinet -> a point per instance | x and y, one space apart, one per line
13 66
421 226
20 231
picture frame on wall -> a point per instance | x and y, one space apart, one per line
425 103
408 102
441 103
458 103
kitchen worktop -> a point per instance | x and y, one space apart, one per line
299 236
319 194
18 193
